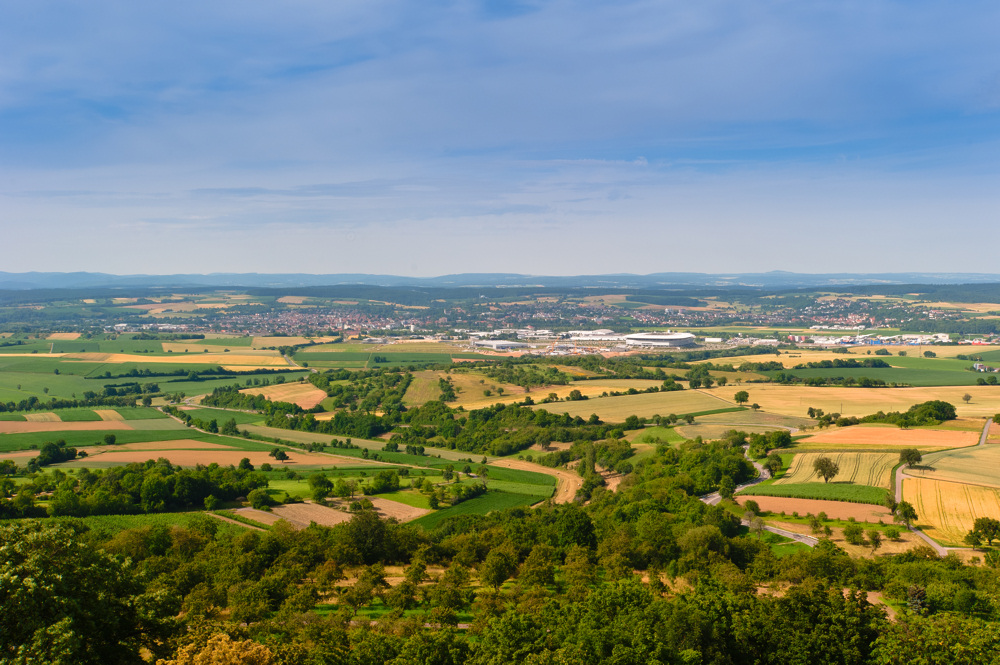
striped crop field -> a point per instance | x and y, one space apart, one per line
979 465
873 469
946 511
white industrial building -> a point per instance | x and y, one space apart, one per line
500 344
668 339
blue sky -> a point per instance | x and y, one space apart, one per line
426 138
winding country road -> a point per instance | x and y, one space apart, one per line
762 474
901 475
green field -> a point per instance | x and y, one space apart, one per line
116 523
77 415
478 506
977 466
14 442
828 491
222 415
951 376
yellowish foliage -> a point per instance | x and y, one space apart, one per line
222 650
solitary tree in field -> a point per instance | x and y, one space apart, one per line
966 398
906 513
910 456
826 468
742 397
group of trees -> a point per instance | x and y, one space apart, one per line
552 584
153 486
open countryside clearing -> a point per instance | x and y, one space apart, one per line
874 469
304 394
946 510
617 409
890 435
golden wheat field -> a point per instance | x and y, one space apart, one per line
872 436
946 510
617 409
796 400
873 469
305 394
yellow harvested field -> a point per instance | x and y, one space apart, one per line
160 308
873 469
42 417
590 389
840 510
109 415
242 359
395 509
292 300
305 395
796 400
617 409
64 335
189 457
878 436
21 427
946 511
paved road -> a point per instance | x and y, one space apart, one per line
900 475
762 474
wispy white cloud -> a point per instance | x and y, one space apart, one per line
555 134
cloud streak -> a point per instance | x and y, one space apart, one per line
531 136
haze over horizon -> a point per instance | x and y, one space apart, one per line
545 138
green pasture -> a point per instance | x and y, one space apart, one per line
77 415
828 491
31 440
115 523
910 376
481 505
220 341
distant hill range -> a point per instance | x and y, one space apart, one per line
775 280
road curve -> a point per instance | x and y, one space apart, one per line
567 482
